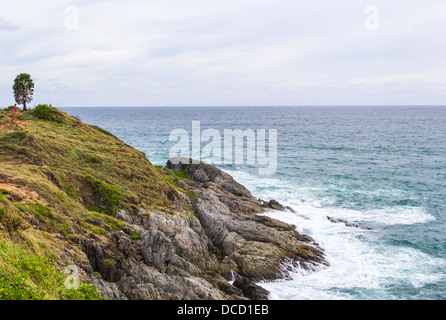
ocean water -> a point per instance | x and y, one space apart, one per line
381 167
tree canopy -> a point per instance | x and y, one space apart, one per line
23 89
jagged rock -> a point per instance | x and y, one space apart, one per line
179 256
251 290
168 237
124 216
273 204
99 263
147 283
347 223
228 214
176 244
202 173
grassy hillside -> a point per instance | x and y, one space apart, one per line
62 180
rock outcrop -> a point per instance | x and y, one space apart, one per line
178 256
80 196
252 245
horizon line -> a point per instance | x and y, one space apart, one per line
261 106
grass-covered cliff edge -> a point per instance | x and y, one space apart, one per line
72 194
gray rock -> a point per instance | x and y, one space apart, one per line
203 172
345 222
251 290
273 204
124 216
181 256
228 214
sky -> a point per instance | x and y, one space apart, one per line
225 52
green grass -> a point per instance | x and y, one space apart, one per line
173 179
37 209
4 119
11 221
87 157
108 195
72 149
25 275
93 228
95 217
101 130
3 194
191 194
63 180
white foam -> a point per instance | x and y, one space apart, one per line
404 215
304 198
362 265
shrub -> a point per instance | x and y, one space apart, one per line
45 112
10 108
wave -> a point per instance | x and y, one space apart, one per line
362 264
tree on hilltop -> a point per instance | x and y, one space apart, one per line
23 89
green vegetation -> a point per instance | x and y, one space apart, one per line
23 89
173 179
62 181
4 119
87 157
135 235
99 222
57 147
3 194
108 195
181 175
94 229
10 108
44 112
191 194
25 275
70 190
40 211
101 130
11 221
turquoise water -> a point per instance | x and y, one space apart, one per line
381 167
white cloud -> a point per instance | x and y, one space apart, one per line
8 25
225 52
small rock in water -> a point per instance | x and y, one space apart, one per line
273 204
347 223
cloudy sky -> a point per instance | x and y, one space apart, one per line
225 52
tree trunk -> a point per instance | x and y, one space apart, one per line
24 106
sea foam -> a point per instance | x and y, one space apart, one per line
362 264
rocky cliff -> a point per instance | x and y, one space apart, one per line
180 231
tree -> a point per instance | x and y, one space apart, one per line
23 89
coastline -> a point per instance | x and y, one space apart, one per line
135 231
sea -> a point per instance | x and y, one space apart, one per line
382 167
